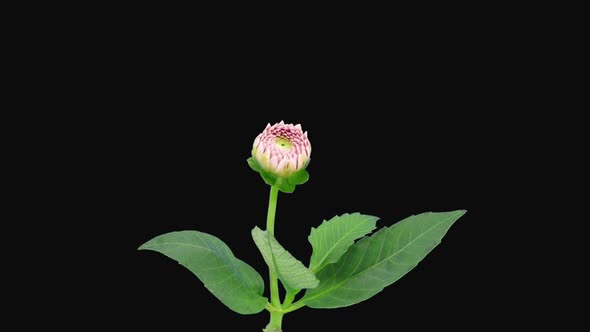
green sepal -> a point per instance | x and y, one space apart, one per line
284 184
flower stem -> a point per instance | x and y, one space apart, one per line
275 317
276 320
272 209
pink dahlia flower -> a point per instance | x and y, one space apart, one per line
282 149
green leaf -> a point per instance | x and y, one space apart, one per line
292 273
235 283
378 261
332 238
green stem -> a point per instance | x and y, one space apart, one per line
275 316
272 209
295 306
289 298
276 320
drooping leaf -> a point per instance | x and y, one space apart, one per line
379 260
235 283
332 238
292 273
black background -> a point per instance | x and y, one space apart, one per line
393 134
145 129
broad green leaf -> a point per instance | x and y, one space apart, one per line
332 238
292 273
379 260
235 283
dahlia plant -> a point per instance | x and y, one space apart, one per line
341 271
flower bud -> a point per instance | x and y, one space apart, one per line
280 154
